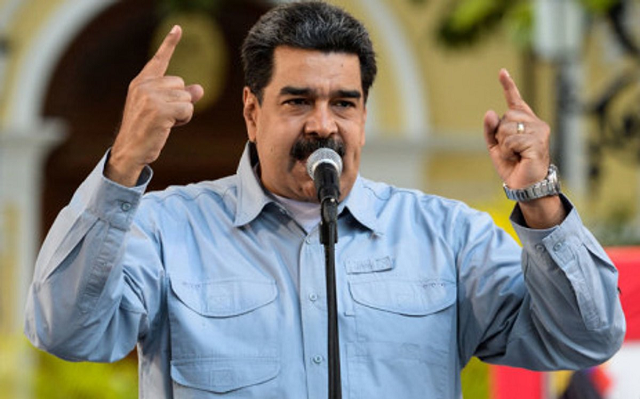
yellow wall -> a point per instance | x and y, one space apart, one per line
24 26
461 86
8 248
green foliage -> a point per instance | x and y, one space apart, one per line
520 23
599 6
13 375
470 13
47 377
85 380
468 21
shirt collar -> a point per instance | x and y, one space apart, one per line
252 197
360 203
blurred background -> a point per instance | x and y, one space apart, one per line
64 70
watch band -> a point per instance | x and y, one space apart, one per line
550 185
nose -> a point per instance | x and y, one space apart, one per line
321 121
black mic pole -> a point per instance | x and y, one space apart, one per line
324 167
329 237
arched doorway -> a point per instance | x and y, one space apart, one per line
89 85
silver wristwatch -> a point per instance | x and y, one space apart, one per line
547 187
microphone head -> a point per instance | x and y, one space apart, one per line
323 155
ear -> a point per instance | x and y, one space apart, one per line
250 112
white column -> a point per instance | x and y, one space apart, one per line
558 38
571 124
22 155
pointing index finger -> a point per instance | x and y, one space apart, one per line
157 66
511 92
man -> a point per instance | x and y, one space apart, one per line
221 284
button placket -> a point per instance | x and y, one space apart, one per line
313 316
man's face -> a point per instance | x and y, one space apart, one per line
313 97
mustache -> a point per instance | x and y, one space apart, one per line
303 147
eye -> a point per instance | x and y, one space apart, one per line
296 101
345 104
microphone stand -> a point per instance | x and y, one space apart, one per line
329 238
324 166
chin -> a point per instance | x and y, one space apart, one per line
308 193
309 196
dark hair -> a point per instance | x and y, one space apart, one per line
312 25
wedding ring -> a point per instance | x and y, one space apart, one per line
520 127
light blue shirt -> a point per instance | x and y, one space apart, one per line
224 293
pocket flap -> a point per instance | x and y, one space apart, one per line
224 298
369 265
412 298
223 375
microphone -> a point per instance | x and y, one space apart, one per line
324 166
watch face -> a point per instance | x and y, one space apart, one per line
553 173
553 178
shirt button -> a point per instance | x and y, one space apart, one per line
539 247
313 297
125 206
558 246
317 359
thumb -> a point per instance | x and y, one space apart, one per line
491 123
196 91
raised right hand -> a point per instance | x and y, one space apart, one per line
155 104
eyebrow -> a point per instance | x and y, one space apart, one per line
306 91
295 91
349 94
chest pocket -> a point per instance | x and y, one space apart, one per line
225 298
410 298
223 337
404 311
405 331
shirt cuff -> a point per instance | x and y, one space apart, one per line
115 203
539 241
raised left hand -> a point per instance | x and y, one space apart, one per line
519 154
518 144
